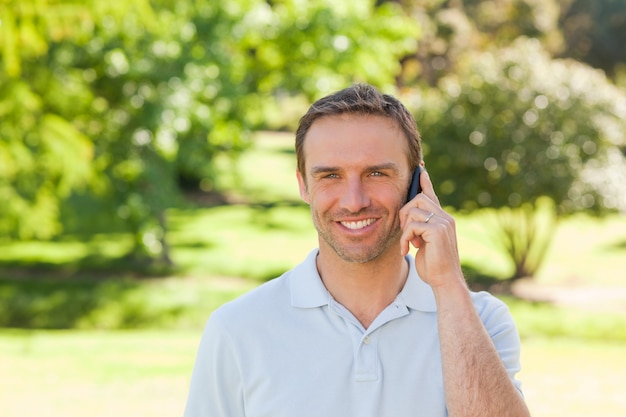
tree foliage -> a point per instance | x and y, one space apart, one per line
511 178
451 28
123 98
108 108
512 127
43 154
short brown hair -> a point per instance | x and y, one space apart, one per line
361 99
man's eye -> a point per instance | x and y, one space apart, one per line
377 174
331 176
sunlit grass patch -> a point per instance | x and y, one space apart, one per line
544 320
242 241
113 303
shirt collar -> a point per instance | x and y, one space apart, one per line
308 290
416 294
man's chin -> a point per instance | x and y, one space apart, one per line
358 256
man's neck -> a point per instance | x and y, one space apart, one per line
365 289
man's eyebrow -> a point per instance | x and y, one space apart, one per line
389 166
321 169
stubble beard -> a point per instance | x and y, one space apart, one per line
356 251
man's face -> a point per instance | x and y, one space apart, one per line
355 182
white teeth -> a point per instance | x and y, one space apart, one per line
358 225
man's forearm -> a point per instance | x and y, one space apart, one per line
476 382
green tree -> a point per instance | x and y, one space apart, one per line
513 129
451 28
43 154
127 97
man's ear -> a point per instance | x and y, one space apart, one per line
304 194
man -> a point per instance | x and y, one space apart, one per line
362 328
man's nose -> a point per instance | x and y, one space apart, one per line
354 197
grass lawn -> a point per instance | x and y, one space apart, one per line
574 379
573 360
92 373
146 373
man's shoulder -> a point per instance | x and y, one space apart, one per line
263 299
493 312
484 300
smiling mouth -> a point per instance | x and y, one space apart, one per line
358 225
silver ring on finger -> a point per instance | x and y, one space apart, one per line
430 216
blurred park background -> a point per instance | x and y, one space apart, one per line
147 176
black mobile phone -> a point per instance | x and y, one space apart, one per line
415 188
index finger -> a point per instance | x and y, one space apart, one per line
427 187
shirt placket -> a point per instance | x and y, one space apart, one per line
367 366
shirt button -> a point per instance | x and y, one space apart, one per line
366 340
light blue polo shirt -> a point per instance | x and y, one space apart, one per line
288 349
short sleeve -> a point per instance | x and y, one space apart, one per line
216 388
501 327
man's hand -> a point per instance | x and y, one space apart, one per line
429 228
